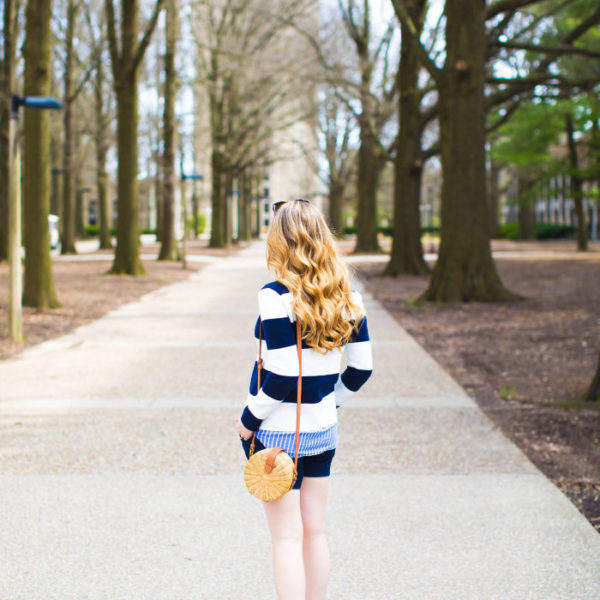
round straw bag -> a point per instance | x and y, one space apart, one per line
270 473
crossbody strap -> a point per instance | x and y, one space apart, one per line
259 364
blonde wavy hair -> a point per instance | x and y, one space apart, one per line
302 253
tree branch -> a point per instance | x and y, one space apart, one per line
112 40
506 6
411 29
143 45
560 49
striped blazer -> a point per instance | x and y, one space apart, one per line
271 411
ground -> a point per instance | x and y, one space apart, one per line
521 360
518 360
86 292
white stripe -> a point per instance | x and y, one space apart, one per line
312 416
261 404
271 305
314 363
342 393
359 355
283 361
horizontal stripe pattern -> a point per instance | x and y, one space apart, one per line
271 410
311 442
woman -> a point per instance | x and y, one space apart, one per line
313 284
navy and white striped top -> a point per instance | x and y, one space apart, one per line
271 411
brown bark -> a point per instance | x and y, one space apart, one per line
494 199
228 192
465 269
218 234
126 61
370 165
9 22
370 159
68 188
336 203
407 250
39 281
104 212
244 206
576 185
217 226
525 215
167 247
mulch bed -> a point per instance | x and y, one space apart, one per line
520 360
87 292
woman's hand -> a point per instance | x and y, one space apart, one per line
244 433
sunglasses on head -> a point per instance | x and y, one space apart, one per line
277 205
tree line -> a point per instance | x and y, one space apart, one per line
481 87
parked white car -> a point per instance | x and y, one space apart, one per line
54 234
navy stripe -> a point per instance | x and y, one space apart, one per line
353 378
279 333
277 286
280 387
362 333
249 420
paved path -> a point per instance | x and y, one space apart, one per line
120 474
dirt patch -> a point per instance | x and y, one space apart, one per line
520 360
87 292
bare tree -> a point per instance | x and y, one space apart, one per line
167 247
126 58
376 108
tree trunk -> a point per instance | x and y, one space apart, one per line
407 250
217 229
245 199
228 204
525 215
370 164
494 199
576 186
126 61
167 247
593 392
68 191
159 196
80 192
465 269
127 254
39 281
336 202
8 87
218 234
104 212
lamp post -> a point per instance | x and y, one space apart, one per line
193 177
15 310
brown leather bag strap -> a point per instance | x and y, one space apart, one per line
299 394
259 364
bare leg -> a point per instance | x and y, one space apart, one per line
285 524
313 497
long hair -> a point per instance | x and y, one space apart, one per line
302 253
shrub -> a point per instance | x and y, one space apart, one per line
94 230
541 231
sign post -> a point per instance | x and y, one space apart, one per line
15 285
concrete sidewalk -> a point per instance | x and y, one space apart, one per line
120 472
